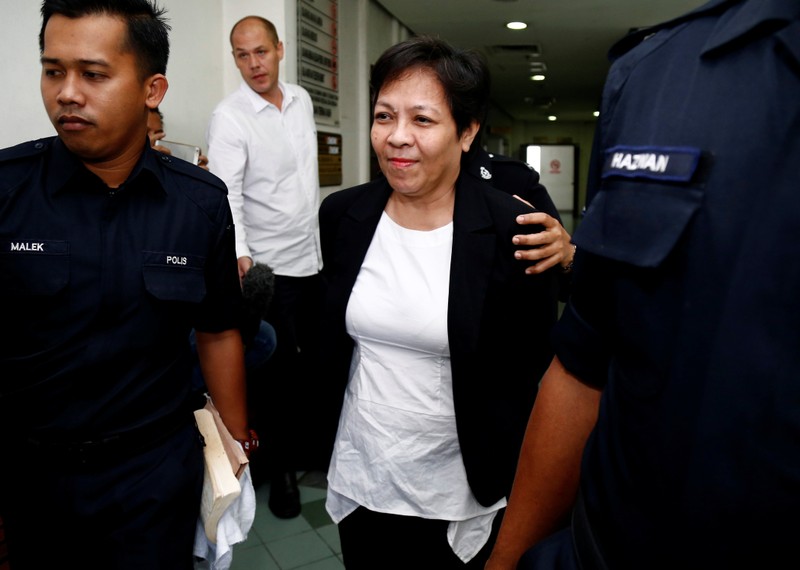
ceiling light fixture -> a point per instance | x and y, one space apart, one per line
537 77
596 113
552 118
516 25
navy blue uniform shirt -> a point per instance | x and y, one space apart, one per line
512 177
99 289
686 294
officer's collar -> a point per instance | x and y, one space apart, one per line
151 169
67 171
480 165
63 167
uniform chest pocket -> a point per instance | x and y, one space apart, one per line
637 222
34 268
174 277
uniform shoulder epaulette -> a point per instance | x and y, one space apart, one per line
17 162
25 150
192 170
636 37
508 161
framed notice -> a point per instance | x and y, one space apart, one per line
318 52
330 158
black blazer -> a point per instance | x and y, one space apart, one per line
499 319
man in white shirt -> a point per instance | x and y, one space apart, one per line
262 142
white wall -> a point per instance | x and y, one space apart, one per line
23 117
195 65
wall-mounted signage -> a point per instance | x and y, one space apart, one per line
318 46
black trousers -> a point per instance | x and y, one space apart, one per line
129 514
373 540
282 403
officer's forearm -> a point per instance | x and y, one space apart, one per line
546 482
222 363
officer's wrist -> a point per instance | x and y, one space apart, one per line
568 266
249 443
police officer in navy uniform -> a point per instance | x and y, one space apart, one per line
670 414
109 254
552 244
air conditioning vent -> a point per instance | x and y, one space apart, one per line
527 50
540 102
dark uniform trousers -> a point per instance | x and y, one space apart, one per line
93 511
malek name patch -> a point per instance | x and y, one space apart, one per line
33 246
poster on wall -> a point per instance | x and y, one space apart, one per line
318 47
557 168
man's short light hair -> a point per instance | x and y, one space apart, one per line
272 32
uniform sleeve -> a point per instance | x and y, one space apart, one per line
582 336
222 308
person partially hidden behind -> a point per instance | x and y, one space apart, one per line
435 333
156 132
110 253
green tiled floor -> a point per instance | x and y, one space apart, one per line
308 542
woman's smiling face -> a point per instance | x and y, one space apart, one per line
414 135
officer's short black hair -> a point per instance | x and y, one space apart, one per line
463 74
148 31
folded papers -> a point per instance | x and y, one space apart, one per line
224 463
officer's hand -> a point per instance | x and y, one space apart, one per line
552 245
202 161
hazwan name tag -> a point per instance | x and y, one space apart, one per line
673 164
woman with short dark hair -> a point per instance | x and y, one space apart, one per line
435 334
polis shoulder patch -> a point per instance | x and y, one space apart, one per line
668 164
